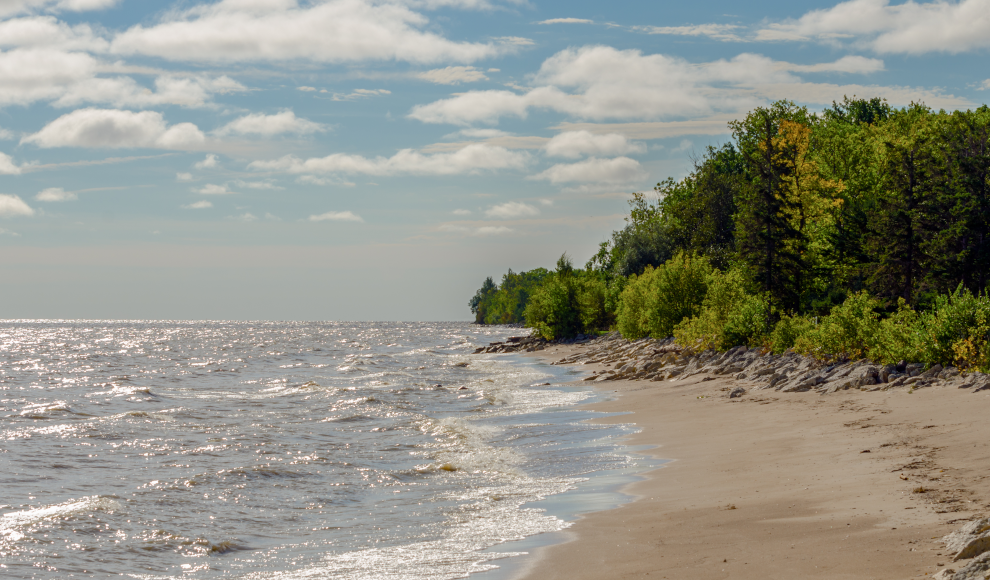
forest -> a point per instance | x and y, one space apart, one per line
862 231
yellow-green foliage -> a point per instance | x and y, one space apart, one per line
787 331
729 316
849 330
653 303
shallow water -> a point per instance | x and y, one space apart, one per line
281 450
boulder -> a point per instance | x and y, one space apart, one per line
969 541
737 392
978 569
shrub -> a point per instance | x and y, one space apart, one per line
729 315
552 309
787 331
653 303
897 337
849 330
956 330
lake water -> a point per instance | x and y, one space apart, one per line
276 450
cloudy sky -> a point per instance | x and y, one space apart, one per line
376 159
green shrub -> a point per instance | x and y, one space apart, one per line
956 329
849 330
592 301
653 303
787 331
552 309
898 337
729 316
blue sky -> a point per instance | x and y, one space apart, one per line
376 159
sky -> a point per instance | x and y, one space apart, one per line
377 159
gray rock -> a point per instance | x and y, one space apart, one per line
932 372
969 541
978 569
737 392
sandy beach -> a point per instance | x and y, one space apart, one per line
847 485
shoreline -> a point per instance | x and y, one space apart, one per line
853 484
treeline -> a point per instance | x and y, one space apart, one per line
862 231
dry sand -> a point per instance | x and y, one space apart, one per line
784 485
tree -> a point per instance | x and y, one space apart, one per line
767 240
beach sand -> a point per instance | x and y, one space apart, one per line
783 485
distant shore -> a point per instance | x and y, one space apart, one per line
851 484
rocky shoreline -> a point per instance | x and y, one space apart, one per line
662 360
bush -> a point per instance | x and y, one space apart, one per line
653 303
729 316
898 336
552 309
787 331
849 330
956 330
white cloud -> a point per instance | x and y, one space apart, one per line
49 32
257 185
482 231
906 28
244 217
472 159
183 177
359 94
6 134
595 170
213 189
601 82
336 216
199 205
56 194
306 89
270 125
846 64
68 79
462 212
453 75
329 180
512 210
13 206
574 144
717 31
333 31
211 161
7 165
114 128
9 7
566 21
4 232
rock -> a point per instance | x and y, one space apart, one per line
737 392
932 372
949 373
978 569
971 540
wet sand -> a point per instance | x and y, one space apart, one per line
848 485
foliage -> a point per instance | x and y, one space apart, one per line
505 303
653 303
730 315
848 331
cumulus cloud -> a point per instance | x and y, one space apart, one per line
70 78
601 82
511 210
574 144
595 170
13 206
482 231
334 31
183 177
7 165
114 128
199 205
49 32
214 189
846 64
336 216
462 212
359 94
9 7
907 28
566 21
453 75
257 185
56 194
244 217
209 162
722 32
472 159
271 125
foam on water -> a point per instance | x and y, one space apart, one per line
279 450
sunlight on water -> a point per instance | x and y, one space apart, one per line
278 450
